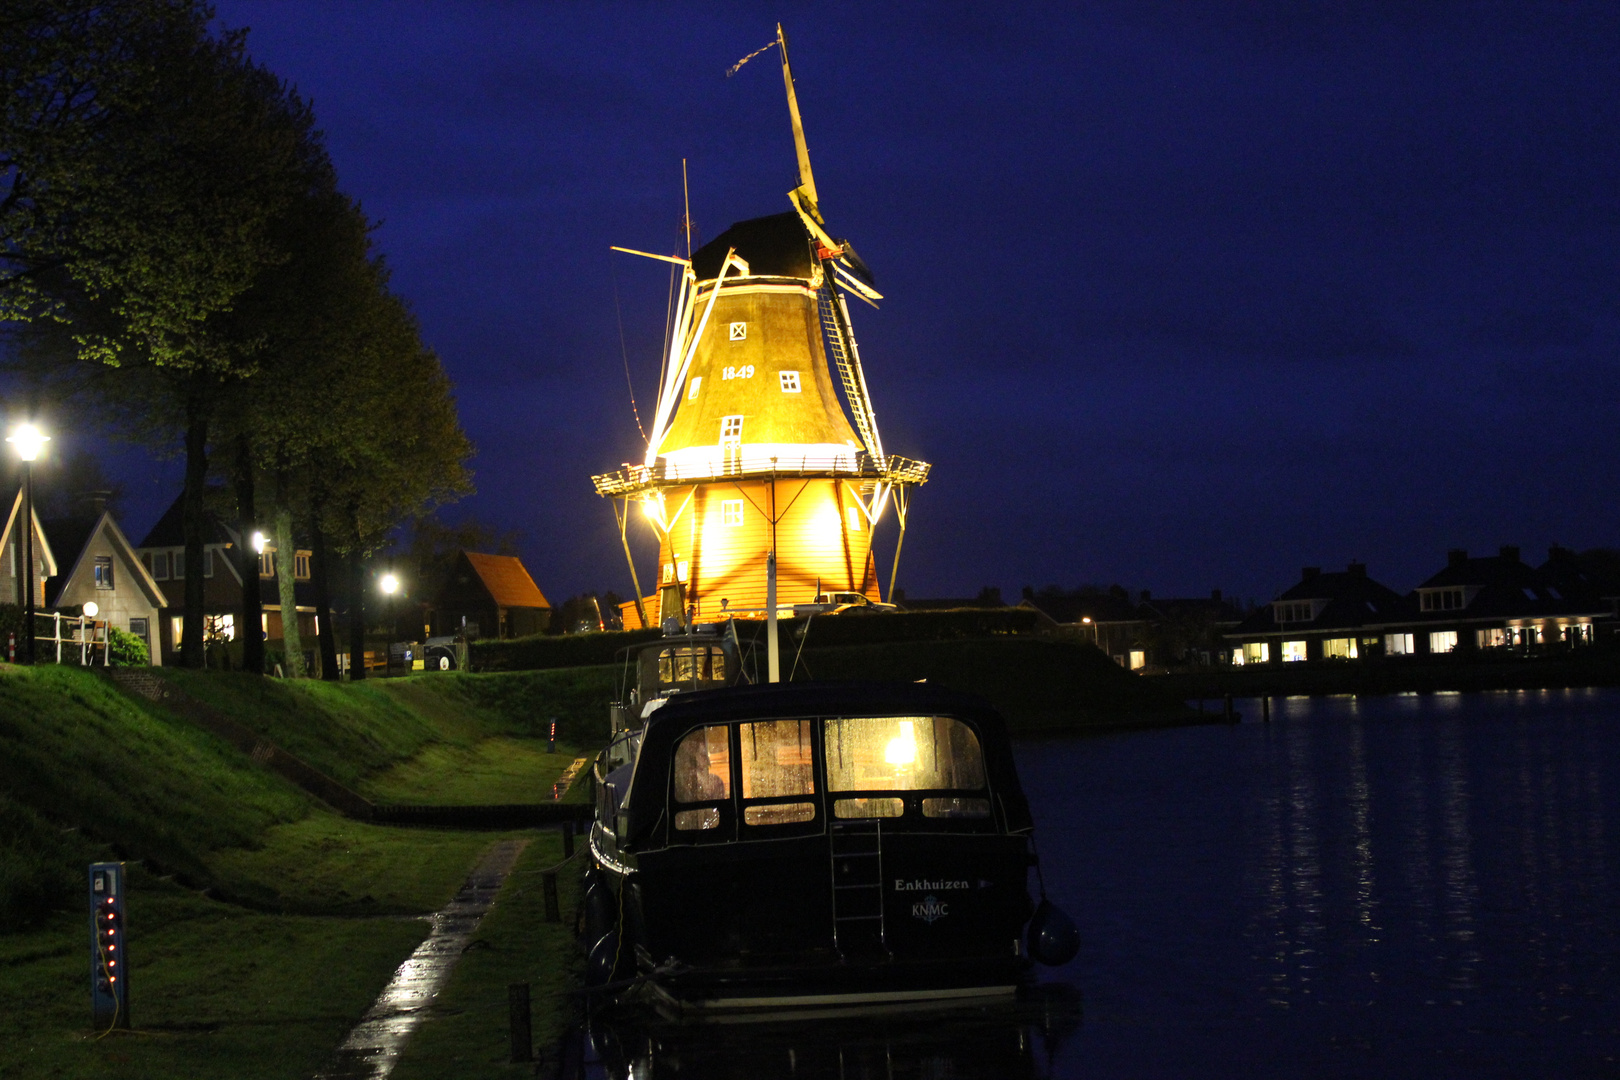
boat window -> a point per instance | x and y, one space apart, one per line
870 808
902 753
779 813
776 759
703 766
706 818
955 808
692 663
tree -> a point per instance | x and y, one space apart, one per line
150 218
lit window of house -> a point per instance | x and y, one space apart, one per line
104 572
1493 638
692 387
1138 659
1443 641
854 515
731 429
1343 648
731 512
1441 599
1293 651
301 566
1253 652
790 381
1398 645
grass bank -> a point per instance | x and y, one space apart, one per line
261 924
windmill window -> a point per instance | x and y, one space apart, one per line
853 513
692 387
739 331
731 511
731 429
790 381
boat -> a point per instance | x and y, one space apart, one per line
808 845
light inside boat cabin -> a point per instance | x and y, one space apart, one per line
869 762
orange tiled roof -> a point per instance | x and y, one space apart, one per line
507 580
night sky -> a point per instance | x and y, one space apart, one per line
1179 299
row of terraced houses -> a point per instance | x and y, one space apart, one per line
1474 604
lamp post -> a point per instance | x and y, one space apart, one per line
29 441
389 585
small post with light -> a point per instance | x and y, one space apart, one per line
109 960
29 441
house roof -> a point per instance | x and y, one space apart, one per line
1504 586
73 536
45 551
1099 608
170 530
1348 599
507 580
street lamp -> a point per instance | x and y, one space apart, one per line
29 441
389 584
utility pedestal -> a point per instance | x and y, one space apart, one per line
109 960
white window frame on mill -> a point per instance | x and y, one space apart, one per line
731 430
853 515
790 381
731 511
692 387
738 331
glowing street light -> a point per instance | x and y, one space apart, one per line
29 441
258 542
389 584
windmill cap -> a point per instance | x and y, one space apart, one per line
774 246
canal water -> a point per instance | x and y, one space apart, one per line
1404 886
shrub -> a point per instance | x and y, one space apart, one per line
126 649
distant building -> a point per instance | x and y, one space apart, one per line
163 553
1326 616
1500 602
1472 605
100 566
492 592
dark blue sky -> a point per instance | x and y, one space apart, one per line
1181 299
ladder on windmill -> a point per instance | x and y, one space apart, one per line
847 359
856 849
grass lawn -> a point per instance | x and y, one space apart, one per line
490 771
468 1036
215 991
331 865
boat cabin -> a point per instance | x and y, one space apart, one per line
797 833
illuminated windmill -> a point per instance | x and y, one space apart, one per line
751 451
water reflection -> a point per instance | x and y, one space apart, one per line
1013 1042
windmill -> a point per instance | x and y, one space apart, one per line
764 451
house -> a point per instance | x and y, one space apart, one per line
163 553
1499 602
1110 620
100 566
493 593
12 541
1339 615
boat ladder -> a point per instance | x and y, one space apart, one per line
857 887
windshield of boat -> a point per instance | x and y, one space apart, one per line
902 753
691 664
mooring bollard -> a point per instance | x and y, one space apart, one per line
568 839
517 1007
548 883
1265 710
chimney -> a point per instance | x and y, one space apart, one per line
1456 557
1510 552
1215 595
1356 569
1309 572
